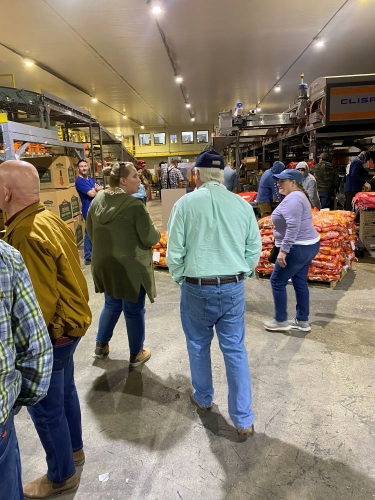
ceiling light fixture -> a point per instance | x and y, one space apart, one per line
277 88
29 63
179 79
124 117
94 99
259 109
192 119
156 9
142 127
188 105
319 42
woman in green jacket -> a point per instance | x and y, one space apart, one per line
122 234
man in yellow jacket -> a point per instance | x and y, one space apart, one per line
48 248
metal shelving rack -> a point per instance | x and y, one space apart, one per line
30 117
11 132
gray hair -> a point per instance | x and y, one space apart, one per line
116 172
210 174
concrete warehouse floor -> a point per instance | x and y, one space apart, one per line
313 396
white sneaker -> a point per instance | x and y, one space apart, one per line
277 326
303 326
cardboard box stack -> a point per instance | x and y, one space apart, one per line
58 192
79 229
54 173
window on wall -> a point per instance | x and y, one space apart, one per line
202 136
173 138
187 137
159 138
144 139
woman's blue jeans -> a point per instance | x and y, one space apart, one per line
134 313
222 306
298 262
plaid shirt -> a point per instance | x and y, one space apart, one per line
26 354
175 175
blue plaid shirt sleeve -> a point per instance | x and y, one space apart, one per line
26 354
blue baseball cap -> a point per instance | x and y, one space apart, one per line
291 174
210 159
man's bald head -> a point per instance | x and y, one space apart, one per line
19 185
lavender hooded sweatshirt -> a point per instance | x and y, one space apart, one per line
293 222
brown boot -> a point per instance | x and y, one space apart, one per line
246 433
140 358
101 350
200 407
79 457
44 487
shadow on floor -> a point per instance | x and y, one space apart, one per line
138 406
156 413
334 330
263 468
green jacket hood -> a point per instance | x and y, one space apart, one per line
108 205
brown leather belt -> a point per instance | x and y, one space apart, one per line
215 281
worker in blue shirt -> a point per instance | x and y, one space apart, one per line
230 177
355 178
213 245
268 190
86 188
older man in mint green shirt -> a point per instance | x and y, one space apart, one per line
213 245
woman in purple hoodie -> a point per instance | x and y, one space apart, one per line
298 243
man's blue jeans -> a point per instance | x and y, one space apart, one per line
87 247
222 306
57 417
298 262
134 313
325 198
10 464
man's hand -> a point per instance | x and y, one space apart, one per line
281 259
367 186
98 187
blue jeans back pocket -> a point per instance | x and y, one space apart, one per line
196 305
238 304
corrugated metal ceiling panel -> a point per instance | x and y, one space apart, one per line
226 50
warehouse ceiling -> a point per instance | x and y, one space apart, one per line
225 50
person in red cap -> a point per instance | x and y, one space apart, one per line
147 174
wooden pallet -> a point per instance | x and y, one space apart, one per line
327 285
